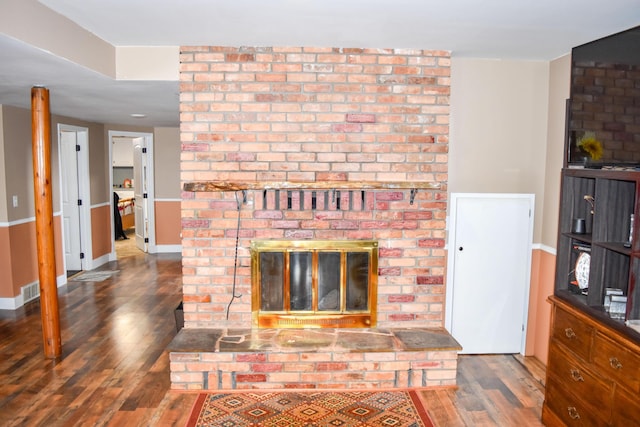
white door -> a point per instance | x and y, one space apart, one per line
140 192
70 196
489 271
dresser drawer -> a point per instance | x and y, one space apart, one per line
573 333
578 380
626 410
616 362
569 408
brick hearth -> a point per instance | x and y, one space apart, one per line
312 359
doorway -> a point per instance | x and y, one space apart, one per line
131 177
75 198
489 265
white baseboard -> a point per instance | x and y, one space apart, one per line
17 301
545 248
11 303
166 249
97 262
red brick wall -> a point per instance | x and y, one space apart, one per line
604 101
314 115
313 370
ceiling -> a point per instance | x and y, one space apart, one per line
539 30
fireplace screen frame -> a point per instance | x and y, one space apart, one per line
314 318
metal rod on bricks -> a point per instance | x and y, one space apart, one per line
41 148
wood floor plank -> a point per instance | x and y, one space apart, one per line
114 369
440 407
489 394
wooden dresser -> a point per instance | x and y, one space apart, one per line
593 372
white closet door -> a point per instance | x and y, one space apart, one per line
489 271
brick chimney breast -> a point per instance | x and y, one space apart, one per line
266 119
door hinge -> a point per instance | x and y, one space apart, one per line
144 196
81 255
79 202
146 240
144 150
77 147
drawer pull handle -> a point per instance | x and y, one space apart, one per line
569 333
615 363
575 374
573 413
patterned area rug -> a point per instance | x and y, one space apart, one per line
310 409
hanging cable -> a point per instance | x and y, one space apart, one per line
235 262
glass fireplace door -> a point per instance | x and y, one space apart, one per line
314 283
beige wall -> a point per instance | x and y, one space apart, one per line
18 167
147 62
507 132
559 82
507 135
498 128
166 151
543 277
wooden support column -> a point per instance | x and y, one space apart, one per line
41 147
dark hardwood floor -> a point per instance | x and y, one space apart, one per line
115 370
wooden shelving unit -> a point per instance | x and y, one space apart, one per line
593 369
614 259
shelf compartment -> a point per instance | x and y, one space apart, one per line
614 203
573 206
573 203
609 269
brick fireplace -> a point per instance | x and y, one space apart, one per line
312 144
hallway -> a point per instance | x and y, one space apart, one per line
114 369
125 248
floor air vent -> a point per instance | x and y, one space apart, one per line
30 292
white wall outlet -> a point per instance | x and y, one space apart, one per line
15 201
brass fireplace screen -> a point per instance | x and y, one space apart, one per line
314 283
